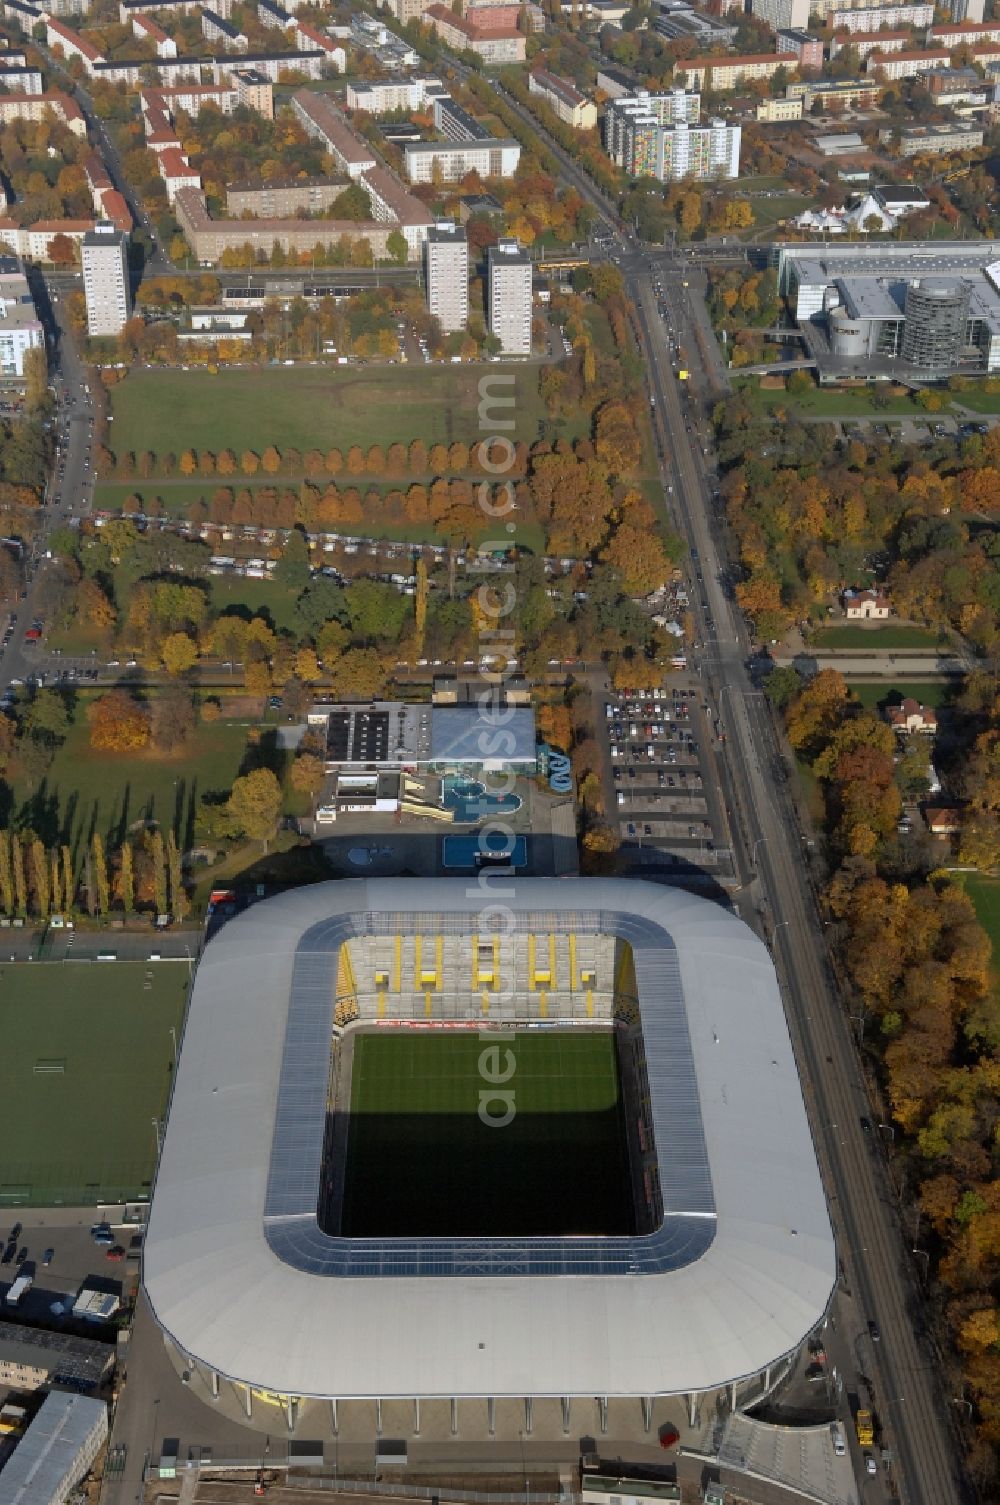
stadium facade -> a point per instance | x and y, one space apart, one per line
733 1264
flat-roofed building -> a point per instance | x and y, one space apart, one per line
381 95
104 258
451 161
937 140
56 1451
881 17
446 266
781 14
802 44
772 111
509 296
31 1357
20 331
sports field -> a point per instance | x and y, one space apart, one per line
86 1055
421 1160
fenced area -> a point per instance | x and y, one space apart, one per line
87 1052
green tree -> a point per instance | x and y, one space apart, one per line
396 246
47 717
255 805
292 569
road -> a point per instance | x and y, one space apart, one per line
901 1370
879 1274
68 492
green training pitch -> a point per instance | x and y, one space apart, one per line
85 1067
422 1162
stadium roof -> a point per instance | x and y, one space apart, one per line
239 1273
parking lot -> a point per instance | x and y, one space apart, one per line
669 820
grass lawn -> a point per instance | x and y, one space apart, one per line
934 692
875 639
86 791
83 1133
985 895
979 402
855 402
261 597
316 407
421 1161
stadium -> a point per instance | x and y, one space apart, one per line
528 1141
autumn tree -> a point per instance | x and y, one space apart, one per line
254 805
118 722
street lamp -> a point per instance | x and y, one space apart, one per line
891 1128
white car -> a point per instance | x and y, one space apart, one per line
871 1466
326 813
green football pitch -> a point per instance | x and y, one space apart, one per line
86 1055
422 1160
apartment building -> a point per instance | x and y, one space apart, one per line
254 91
52 104
31 1358
450 161
405 10
20 331
509 296
456 124
148 30
781 13
963 33
321 119
806 48
865 42
310 38
273 16
771 111
880 17
283 198
16 76
721 74
494 44
651 142
394 205
896 65
571 107
104 258
842 93
384 95
210 238
446 273
69 43
964 10
939 140
215 28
